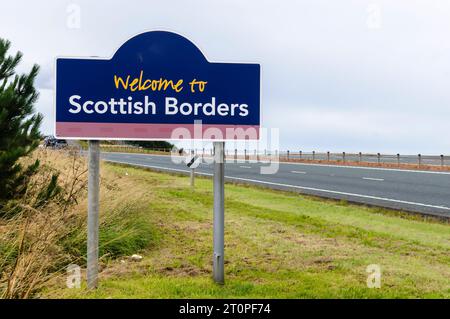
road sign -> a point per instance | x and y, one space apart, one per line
158 85
154 87
193 161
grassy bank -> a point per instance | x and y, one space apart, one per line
278 244
38 239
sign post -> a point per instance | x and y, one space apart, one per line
192 169
219 212
192 177
193 162
93 217
157 86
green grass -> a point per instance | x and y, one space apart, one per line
277 245
123 232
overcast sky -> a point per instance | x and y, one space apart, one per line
348 75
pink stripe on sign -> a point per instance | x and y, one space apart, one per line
130 131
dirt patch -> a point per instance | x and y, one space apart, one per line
182 270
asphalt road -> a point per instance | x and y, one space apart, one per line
416 191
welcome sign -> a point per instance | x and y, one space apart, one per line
156 85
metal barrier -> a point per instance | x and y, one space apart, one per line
301 156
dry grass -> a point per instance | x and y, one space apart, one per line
38 242
29 238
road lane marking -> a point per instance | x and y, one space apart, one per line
367 168
298 172
339 193
294 186
324 165
373 179
245 166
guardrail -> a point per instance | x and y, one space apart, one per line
377 158
372 159
329 157
129 149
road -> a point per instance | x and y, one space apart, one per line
417 191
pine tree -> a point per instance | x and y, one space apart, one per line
153 144
19 125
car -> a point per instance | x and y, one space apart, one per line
48 141
59 143
53 142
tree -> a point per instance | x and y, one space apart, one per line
19 125
153 144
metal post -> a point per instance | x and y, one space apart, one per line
192 172
420 159
442 160
219 216
398 159
343 157
93 199
288 155
192 177
328 156
314 155
360 157
378 158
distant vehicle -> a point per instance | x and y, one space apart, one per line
60 143
53 142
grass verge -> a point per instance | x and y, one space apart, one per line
278 245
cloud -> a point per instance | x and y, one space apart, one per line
309 128
316 56
45 105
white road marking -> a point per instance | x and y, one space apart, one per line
298 172
293 186
325 165
367 168
373 179
245 166
340 193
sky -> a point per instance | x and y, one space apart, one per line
348 75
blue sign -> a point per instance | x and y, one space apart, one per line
155 84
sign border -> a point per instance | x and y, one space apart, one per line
154 139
